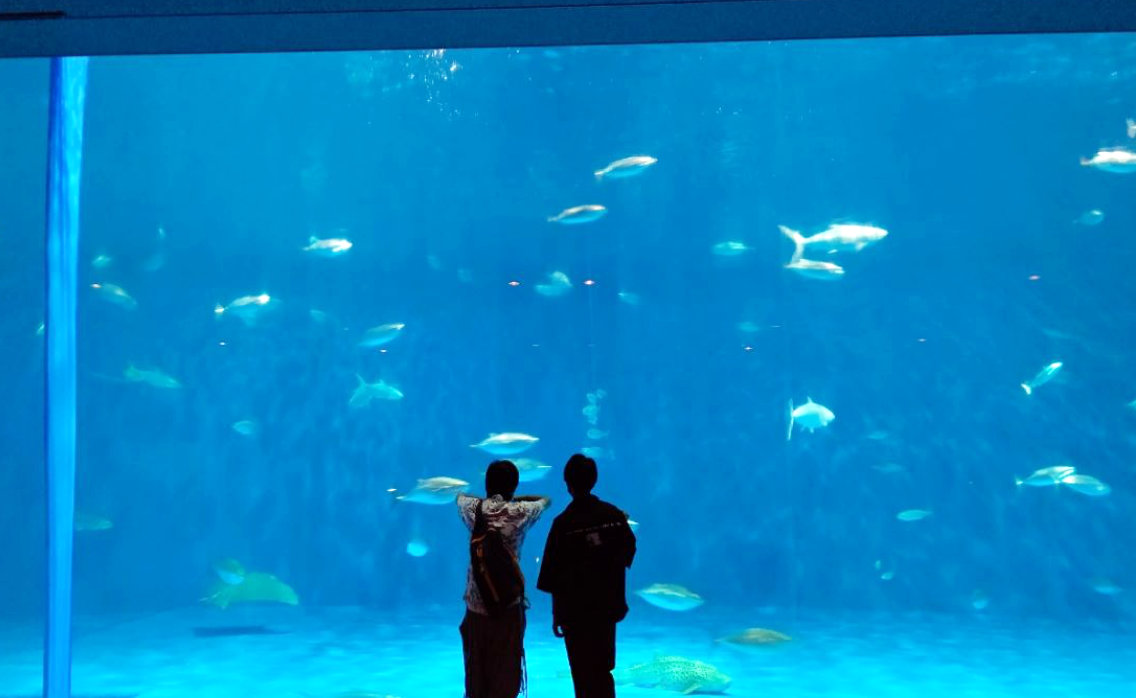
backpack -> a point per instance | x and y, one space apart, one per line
495 570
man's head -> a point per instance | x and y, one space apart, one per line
580 475
501 478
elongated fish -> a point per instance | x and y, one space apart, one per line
328 247
249 309
116 295
839 237
381 335
810 269
435 490
366 392
1115 160
670 673
579 214
1045 477
626 167
1086 485
1043 376
507 444
150 376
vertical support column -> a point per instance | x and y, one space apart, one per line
65 153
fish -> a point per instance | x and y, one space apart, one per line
1092 217
328 247
229 570
596 452
671 597
366 392
381 335
102 261
839 237
1105 587
531 470
417 547
245 427
629 298
729 248
591 413
626 167
506 444
557 285
255 587
577 215
1115 160
810 269
1086 485
913 514
811 416
596 434
1130 129
249 309
116 295
85 521
979 600
1043 376
435 490
1046 477
748 327
671 673
150 376
756 637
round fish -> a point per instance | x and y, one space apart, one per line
811 416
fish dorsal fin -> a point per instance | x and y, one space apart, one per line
361 381
808 401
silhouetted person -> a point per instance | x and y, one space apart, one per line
493 635
584 567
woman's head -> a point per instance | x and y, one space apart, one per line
501 478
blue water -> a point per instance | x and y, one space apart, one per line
442 168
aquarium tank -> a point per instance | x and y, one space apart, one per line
846 324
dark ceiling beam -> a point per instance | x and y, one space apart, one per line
108 27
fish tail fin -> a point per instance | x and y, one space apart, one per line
1018 482
1026 387
1085 162
599 175
798 242
789 433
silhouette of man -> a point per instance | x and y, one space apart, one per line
584 567
493 646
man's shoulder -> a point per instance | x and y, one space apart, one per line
611 510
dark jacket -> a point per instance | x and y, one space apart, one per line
585 563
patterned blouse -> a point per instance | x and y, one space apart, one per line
512 519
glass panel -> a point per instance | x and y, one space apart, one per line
258 395
23 179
